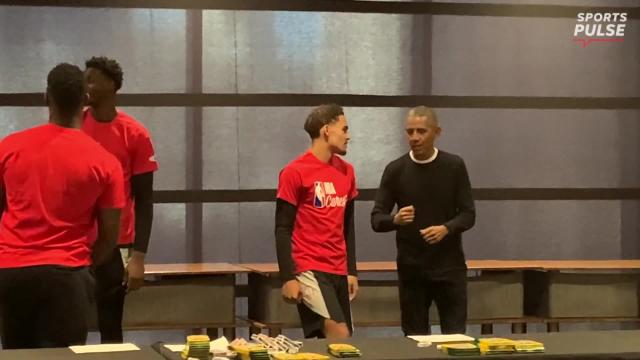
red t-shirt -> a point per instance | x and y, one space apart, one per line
320 191
130 143
55 179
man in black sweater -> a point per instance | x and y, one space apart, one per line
432 191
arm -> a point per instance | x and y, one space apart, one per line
466 216
381 218
109 205
108 232
350 237
143 164
142 192
285 220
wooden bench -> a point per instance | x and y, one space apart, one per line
579 291
516 292
495 281
185 296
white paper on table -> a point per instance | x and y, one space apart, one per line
174 347
441 338
219 345
103 348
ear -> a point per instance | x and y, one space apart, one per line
438 131
325 130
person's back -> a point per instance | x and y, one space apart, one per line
53 178
62 195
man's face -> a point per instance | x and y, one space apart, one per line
337 135
99 86
421 134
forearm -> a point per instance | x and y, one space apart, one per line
285 220
108 232
143 224
350 238
381 222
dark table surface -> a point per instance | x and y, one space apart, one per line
145 353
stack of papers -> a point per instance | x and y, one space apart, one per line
494 346
251 351
197 347
298 356
344 350
528 346
441 339
462 349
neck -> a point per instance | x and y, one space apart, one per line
105 111
321 151
426 155
72 123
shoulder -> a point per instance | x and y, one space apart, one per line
343 165
397 164
131 125
450 158
294 167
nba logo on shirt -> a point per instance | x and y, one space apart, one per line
321 191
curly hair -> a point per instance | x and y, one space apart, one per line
109 67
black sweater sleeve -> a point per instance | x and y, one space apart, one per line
381 218
466 210
285 220
350 237
142 189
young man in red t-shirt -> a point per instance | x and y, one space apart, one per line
315 236
129 141
57 183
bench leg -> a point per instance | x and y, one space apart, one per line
212 333
519 328
229 333
254 330
486 329
275 331
553 326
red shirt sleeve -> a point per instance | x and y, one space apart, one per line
289 186
142 154
112 196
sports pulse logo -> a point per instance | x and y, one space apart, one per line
325 196
599 27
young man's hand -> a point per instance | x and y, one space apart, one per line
134 273
353 287
292 292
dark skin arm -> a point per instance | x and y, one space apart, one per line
108 233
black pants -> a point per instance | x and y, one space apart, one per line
418 289
44 306
110 298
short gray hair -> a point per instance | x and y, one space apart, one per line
423 111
